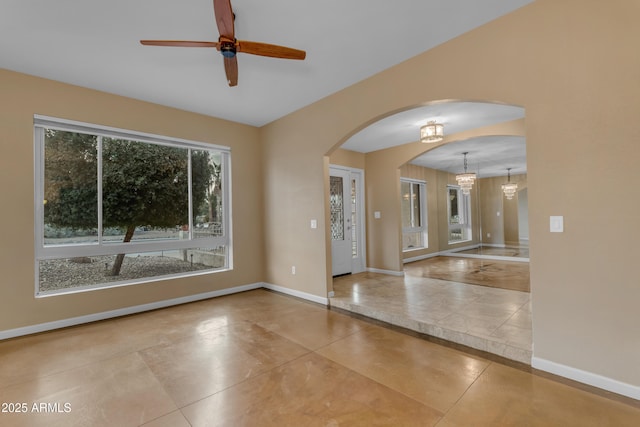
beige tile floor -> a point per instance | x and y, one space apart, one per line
489 319
264 359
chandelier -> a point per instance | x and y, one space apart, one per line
466 179
509 188
432 132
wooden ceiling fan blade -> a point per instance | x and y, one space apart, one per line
227 44
231 69
178 43
271 50
224 18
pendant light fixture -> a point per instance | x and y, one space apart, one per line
466 179
432 132
509 188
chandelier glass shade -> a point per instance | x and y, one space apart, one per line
465 180
509 189
432 132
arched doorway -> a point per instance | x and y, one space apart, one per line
383 148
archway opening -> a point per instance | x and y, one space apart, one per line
393 160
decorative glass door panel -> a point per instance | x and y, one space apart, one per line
341 212
336 200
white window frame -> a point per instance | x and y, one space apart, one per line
46 252
464 215
424 228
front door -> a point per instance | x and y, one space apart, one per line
341 231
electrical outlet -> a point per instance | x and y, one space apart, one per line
293 269
488 235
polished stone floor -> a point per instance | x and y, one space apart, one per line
264 359
474 271
485 318
521 251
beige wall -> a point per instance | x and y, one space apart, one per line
573 66
24 96
347 158
503 228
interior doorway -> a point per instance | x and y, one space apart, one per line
480 315
346 204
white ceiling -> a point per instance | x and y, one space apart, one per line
404 127
95 44
488 156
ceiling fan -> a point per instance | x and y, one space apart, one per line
229 46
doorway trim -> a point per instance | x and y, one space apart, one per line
359 262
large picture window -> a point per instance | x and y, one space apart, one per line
414 218
115 207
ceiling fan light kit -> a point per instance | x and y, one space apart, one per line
229 46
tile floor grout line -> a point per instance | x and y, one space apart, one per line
161 385
467 388
70 369
244 380
338 340
413 399
258 375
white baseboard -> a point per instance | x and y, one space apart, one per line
298 294
585 377
461 248
391 272
492 257
57 324
420 257
48 326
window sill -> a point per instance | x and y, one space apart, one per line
125 283
415 249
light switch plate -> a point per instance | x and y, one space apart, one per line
556 224
314 223
376 214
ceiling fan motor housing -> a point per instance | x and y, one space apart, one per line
228 49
